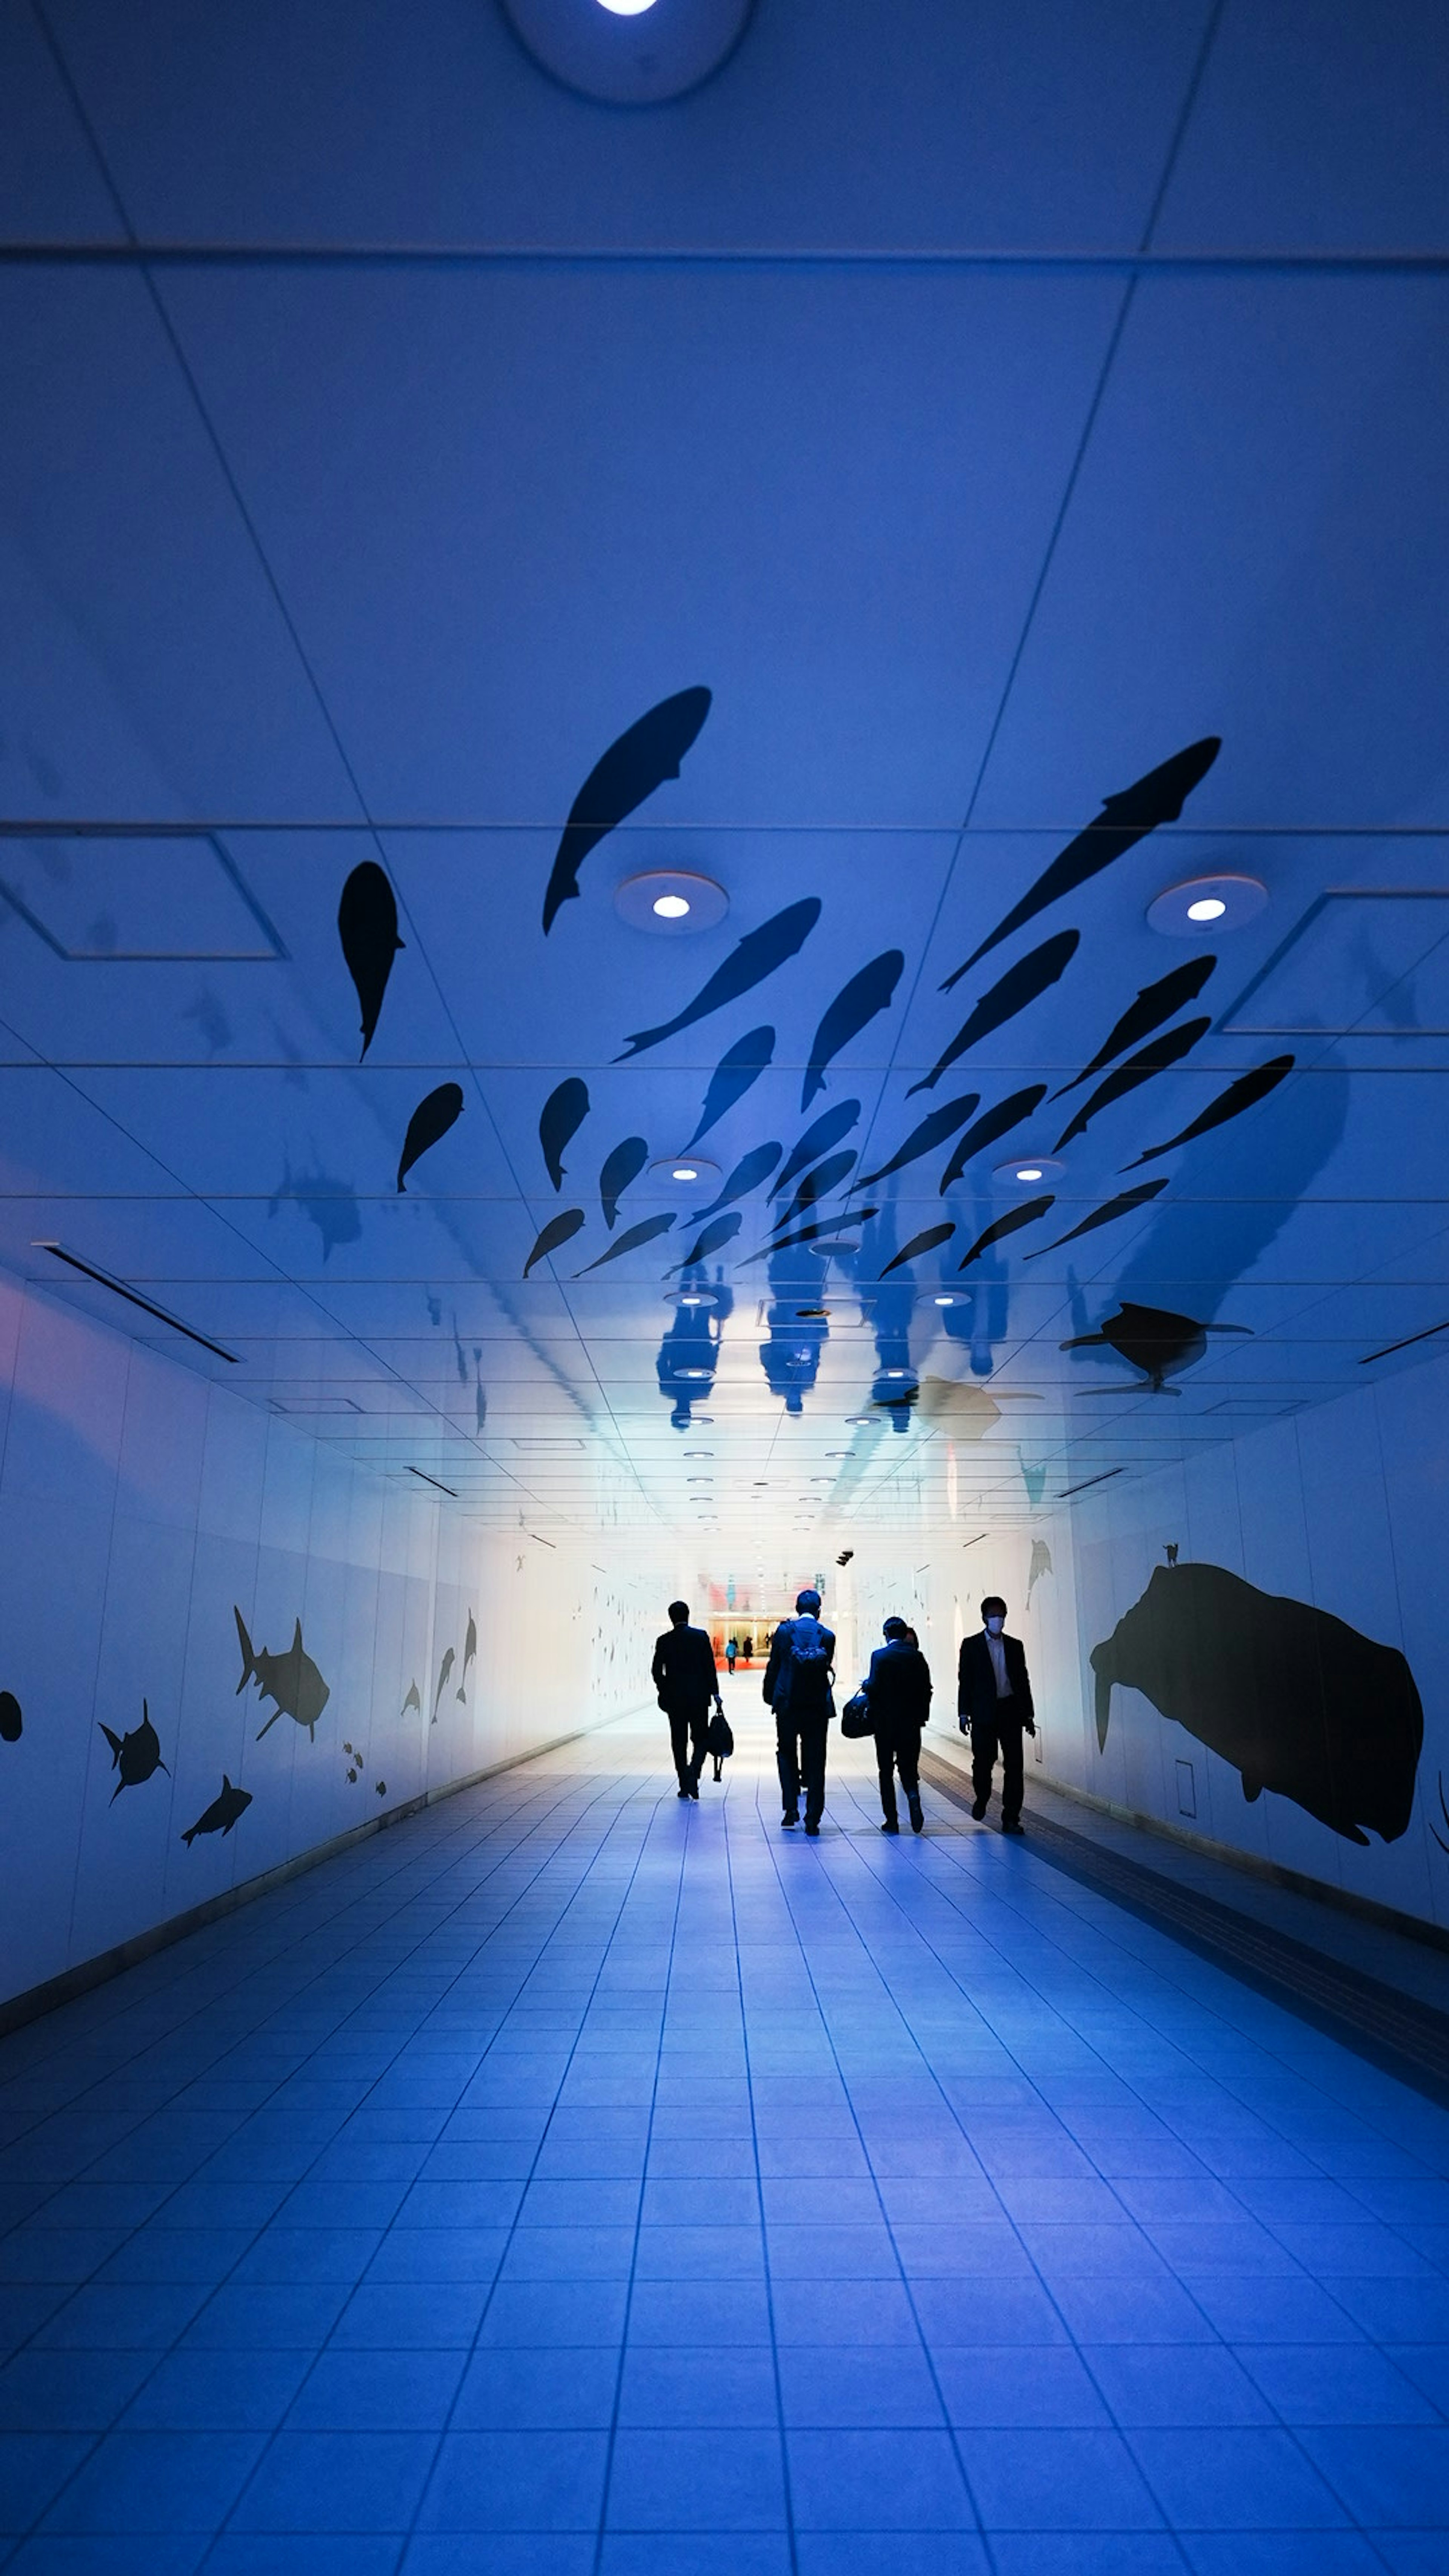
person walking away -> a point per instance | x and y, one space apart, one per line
686 1679
898 1697
995 1708
731 1650
797 1687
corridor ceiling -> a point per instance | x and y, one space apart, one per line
984 406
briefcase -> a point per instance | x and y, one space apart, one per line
855 1718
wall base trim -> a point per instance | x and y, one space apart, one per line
55 1991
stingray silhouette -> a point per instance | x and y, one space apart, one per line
648 1230
558 1231
1153 1339
1243 1094
1149 1061
757 956
819 1136
630 770
427 1126
1154 1004
1121 1206
561 1117
732 1077
818 1184
1125 819
714 1237
932 1131
136 1756
621 1168
1022 984
1012 1223
748 1173
990 1129
367 928
927 1241
854 1007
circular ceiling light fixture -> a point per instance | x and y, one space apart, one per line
946 1298
686 1171
1207 907
632 53
1025 1171
671 901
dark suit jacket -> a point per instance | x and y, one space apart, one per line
898 1688
685 1673
775 1688
976 1692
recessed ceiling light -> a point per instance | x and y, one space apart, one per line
603 51
1208 907
692 1372
626 8
945 1299
676 907
685 1171
671 900
1024 1171
895 1372
1210 903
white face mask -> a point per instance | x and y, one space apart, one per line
995 1625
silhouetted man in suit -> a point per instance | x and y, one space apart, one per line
995 1707
687 1680
797 1688
898 1696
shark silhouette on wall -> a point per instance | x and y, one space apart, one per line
136 1756
291 1680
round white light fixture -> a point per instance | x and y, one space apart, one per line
685 1172
692 1372
945 1299
672 902
1027 1171
633 53
1207 907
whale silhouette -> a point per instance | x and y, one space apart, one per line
1153 1339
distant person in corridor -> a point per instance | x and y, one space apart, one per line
686 1678
797 1688
995 1707
898 1696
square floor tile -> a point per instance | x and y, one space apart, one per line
337 2482
516 2481
716 2481
858 2481
536 2389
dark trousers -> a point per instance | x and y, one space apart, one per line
688 1728
800 1756
990 1736
898 1748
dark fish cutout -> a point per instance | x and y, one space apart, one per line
1170 1551
732 1078
648 1231
758 955
932 1131
641 760
1014 1219
448 1662
998 1122
558 1231
1296 1700
291 1680
11 1720
428 1124
714 1237
819 1136
562 1115
818 1184
1154 1004
136 1755
831 1225
748 1173
414 1700
1108 1215
222 1813
933 1236
1125 819
1022 984
470 1657
1141 1067
1243 1094
367 927
1153 1339
623 1166
852 1010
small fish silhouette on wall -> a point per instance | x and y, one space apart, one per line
414 1700
11 1720
291 1680
449 1659
428 1125
932 1131
136 1756
641 760
648 1230
367 926
470 1657
561 1117
221 1815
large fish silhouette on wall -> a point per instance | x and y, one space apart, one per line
1295 1699
291 1680
562 1115
367 928
630 770
136 1755
1153 1339
852 1010
470 1657
1125 819
757 956
221 1815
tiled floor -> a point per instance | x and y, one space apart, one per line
573 2183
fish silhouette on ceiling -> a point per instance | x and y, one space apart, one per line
11 1720
1243 1094
1294 1698
1154 1004
712 1239
1123 1205
1154 1058
136 1756
758 955
853 1009
929 1240
748 1173
641 760
990 1129
367 928
621 1168
1125 819
1153 1339
732 1078
818 1184
648 1230
551 1238
932 1131
1012 1223
428 1125
561 1117
819 1136
291 1680
229 1803
1023 984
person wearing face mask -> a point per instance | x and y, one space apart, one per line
995 1709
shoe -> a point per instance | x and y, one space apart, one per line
918 1817
890 1826
694 1792
681 1793
790 1817
1012 1825
979 1807
812 1829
